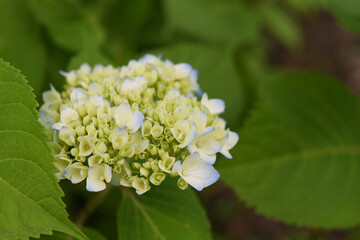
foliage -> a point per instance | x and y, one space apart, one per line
297 159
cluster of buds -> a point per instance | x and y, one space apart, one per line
135 125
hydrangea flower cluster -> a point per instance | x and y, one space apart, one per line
135 125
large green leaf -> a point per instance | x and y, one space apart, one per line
298 157
29 192
91 54
281 25
212 20
68 22
90 233
165 212
347 13
217 75
21 43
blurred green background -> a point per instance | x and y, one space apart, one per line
237 44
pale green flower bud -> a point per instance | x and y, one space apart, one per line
141 185
166 164
182 184
68 135
157 177
76 172
86 147
146 128
157 130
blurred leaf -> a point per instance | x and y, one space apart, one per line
93 234
54 236
124 25
213 20
297 159
217 75
21 42
29 192
347 13
165 212
91 54
68 23
281 25
89 232
306 4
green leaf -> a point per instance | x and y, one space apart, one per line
281 25
347 13
90 54
89 232
216 74
93 234
21 43
29 192
298 156
69 23
212 20
165 212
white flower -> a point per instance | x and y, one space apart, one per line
119 138
206 146
76 172
139 142
228 142
124 116
184 131
52 96
183 70
196 172
204 143
96 176
215 106
78 94
132 85
200 120
68 117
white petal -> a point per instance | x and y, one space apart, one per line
57 126
136 121
232 140
182 70
204 98
210 146
197 172
85 68
226 153
191 135
192 161
200 119
122 113
68 115
78 94
95 185
208 158
216 106
176 168
194 182
107 173
206 131
194 76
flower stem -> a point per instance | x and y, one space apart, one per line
91 206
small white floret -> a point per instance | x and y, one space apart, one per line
215 106
228 142
124 116
196 172
96 176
